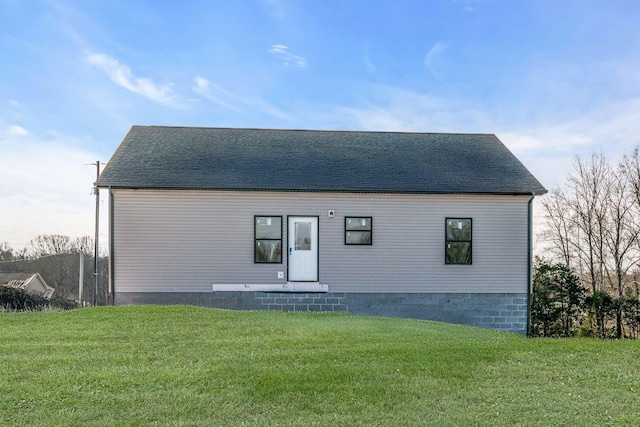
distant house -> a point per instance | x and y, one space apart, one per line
419 225
32 283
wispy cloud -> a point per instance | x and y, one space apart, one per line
212 92
276 9
121 75
396 109
370 65
17 130
432 58
282 52
470 6
547 148
612 126
231 101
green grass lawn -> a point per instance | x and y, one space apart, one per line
149 365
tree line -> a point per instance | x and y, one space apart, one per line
58 260
589 281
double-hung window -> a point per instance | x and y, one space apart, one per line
458 241
357 230
268 239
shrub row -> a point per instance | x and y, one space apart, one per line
19 300
562 307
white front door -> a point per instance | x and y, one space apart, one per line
302 235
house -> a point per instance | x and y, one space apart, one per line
419 225
32 283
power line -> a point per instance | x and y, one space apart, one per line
38 258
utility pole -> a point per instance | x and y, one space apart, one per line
96 191
81 279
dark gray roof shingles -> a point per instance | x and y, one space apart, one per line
312 160
7 277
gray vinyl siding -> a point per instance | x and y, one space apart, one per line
185 241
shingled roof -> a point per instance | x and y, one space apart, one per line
312 160
29 282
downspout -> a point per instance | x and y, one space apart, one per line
529 259
111 246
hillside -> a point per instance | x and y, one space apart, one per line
149 365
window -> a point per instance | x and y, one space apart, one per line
268 239
357 230
458 241
302 236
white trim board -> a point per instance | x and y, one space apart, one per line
270 287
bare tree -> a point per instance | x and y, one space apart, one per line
83 245
631 168
560 230
593 226
51 244
621 234
588 191
579 227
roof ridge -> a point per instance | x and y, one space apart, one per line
413 132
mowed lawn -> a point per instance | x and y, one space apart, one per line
178 365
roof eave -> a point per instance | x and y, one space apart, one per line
535 192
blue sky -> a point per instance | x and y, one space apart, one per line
551 79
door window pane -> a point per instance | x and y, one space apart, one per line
303 236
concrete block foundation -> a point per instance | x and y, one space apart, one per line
503 311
